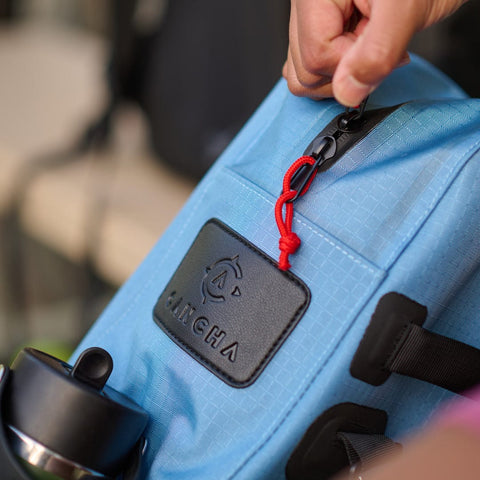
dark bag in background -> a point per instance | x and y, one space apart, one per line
199 72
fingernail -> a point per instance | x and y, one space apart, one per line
404 61
350 92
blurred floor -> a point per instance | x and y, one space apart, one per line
86 224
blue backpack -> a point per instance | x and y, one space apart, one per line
249 371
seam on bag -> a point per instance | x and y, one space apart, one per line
238 160
444 187
313 130
316 232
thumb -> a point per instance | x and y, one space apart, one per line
378 50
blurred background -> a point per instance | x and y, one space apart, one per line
110 112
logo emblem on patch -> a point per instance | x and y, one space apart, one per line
221 280
229 306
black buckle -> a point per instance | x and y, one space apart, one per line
395 342
320 453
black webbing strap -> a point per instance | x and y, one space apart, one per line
436 359
325 449
395 341
364 448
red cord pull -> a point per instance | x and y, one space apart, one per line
289 240
301 174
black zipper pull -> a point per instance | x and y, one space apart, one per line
350 120
323 149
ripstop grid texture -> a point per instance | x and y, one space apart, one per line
200 427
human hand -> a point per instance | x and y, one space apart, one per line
346 48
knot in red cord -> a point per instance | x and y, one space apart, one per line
289 243
289 240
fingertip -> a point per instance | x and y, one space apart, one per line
405 60
349 91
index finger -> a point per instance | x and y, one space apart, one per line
322 39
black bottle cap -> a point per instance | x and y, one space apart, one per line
70 411
10 466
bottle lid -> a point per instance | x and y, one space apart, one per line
70 411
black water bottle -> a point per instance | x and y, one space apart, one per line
63 423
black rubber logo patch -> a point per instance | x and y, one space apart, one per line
229 306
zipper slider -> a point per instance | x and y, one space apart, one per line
350 120
322 149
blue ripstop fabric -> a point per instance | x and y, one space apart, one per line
399 212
